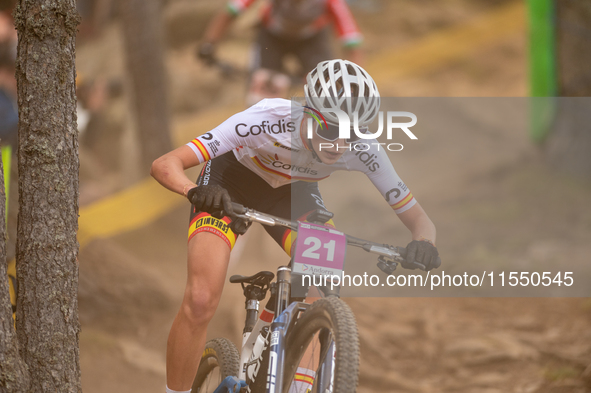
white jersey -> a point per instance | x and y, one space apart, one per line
266 139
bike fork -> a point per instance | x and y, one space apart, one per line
278 329
326 371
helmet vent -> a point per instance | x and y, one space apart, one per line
317 87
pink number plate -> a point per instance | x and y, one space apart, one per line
319 250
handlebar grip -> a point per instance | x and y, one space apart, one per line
402 252
238 208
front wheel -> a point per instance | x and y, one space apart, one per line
220 359
324 339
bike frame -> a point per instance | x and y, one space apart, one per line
285 316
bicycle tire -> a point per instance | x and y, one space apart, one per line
220 358
326 315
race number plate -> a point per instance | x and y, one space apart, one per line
319 250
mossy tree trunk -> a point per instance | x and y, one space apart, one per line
47 327
144 55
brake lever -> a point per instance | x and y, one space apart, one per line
386 265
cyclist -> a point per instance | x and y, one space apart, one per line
262 158
296 27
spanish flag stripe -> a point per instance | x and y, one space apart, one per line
285 235
403 202
198 216
267 316
287 241
226 219
194 142
304 378
407 202
201 149
205 152
308 179
229 238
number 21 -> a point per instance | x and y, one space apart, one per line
316 244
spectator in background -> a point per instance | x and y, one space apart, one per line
7 30
95 14
8 106
9 125
287 27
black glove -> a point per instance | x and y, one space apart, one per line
211 199
206 53
423 252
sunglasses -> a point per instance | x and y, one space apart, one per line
331 133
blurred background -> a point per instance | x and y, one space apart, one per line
153 74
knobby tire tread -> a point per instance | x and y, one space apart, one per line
228 361
334 314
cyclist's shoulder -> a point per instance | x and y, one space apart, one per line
267 121
367 156
273 104
275 108
264 108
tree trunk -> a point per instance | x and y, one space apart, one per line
569 143
573 51
145 66
13 372
47 268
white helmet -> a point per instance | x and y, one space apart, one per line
344 85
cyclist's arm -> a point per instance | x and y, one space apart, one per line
221 22
345 25
217 27
169 170
233 133
378 168
418 223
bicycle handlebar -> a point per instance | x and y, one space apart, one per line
388 255
232 71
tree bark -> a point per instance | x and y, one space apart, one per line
13 372
568 146
143 39
47 268
569 143
573 48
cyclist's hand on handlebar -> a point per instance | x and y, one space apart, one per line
205 52
423 252
210 199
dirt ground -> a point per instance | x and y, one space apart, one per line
492 197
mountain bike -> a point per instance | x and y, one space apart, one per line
321 336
